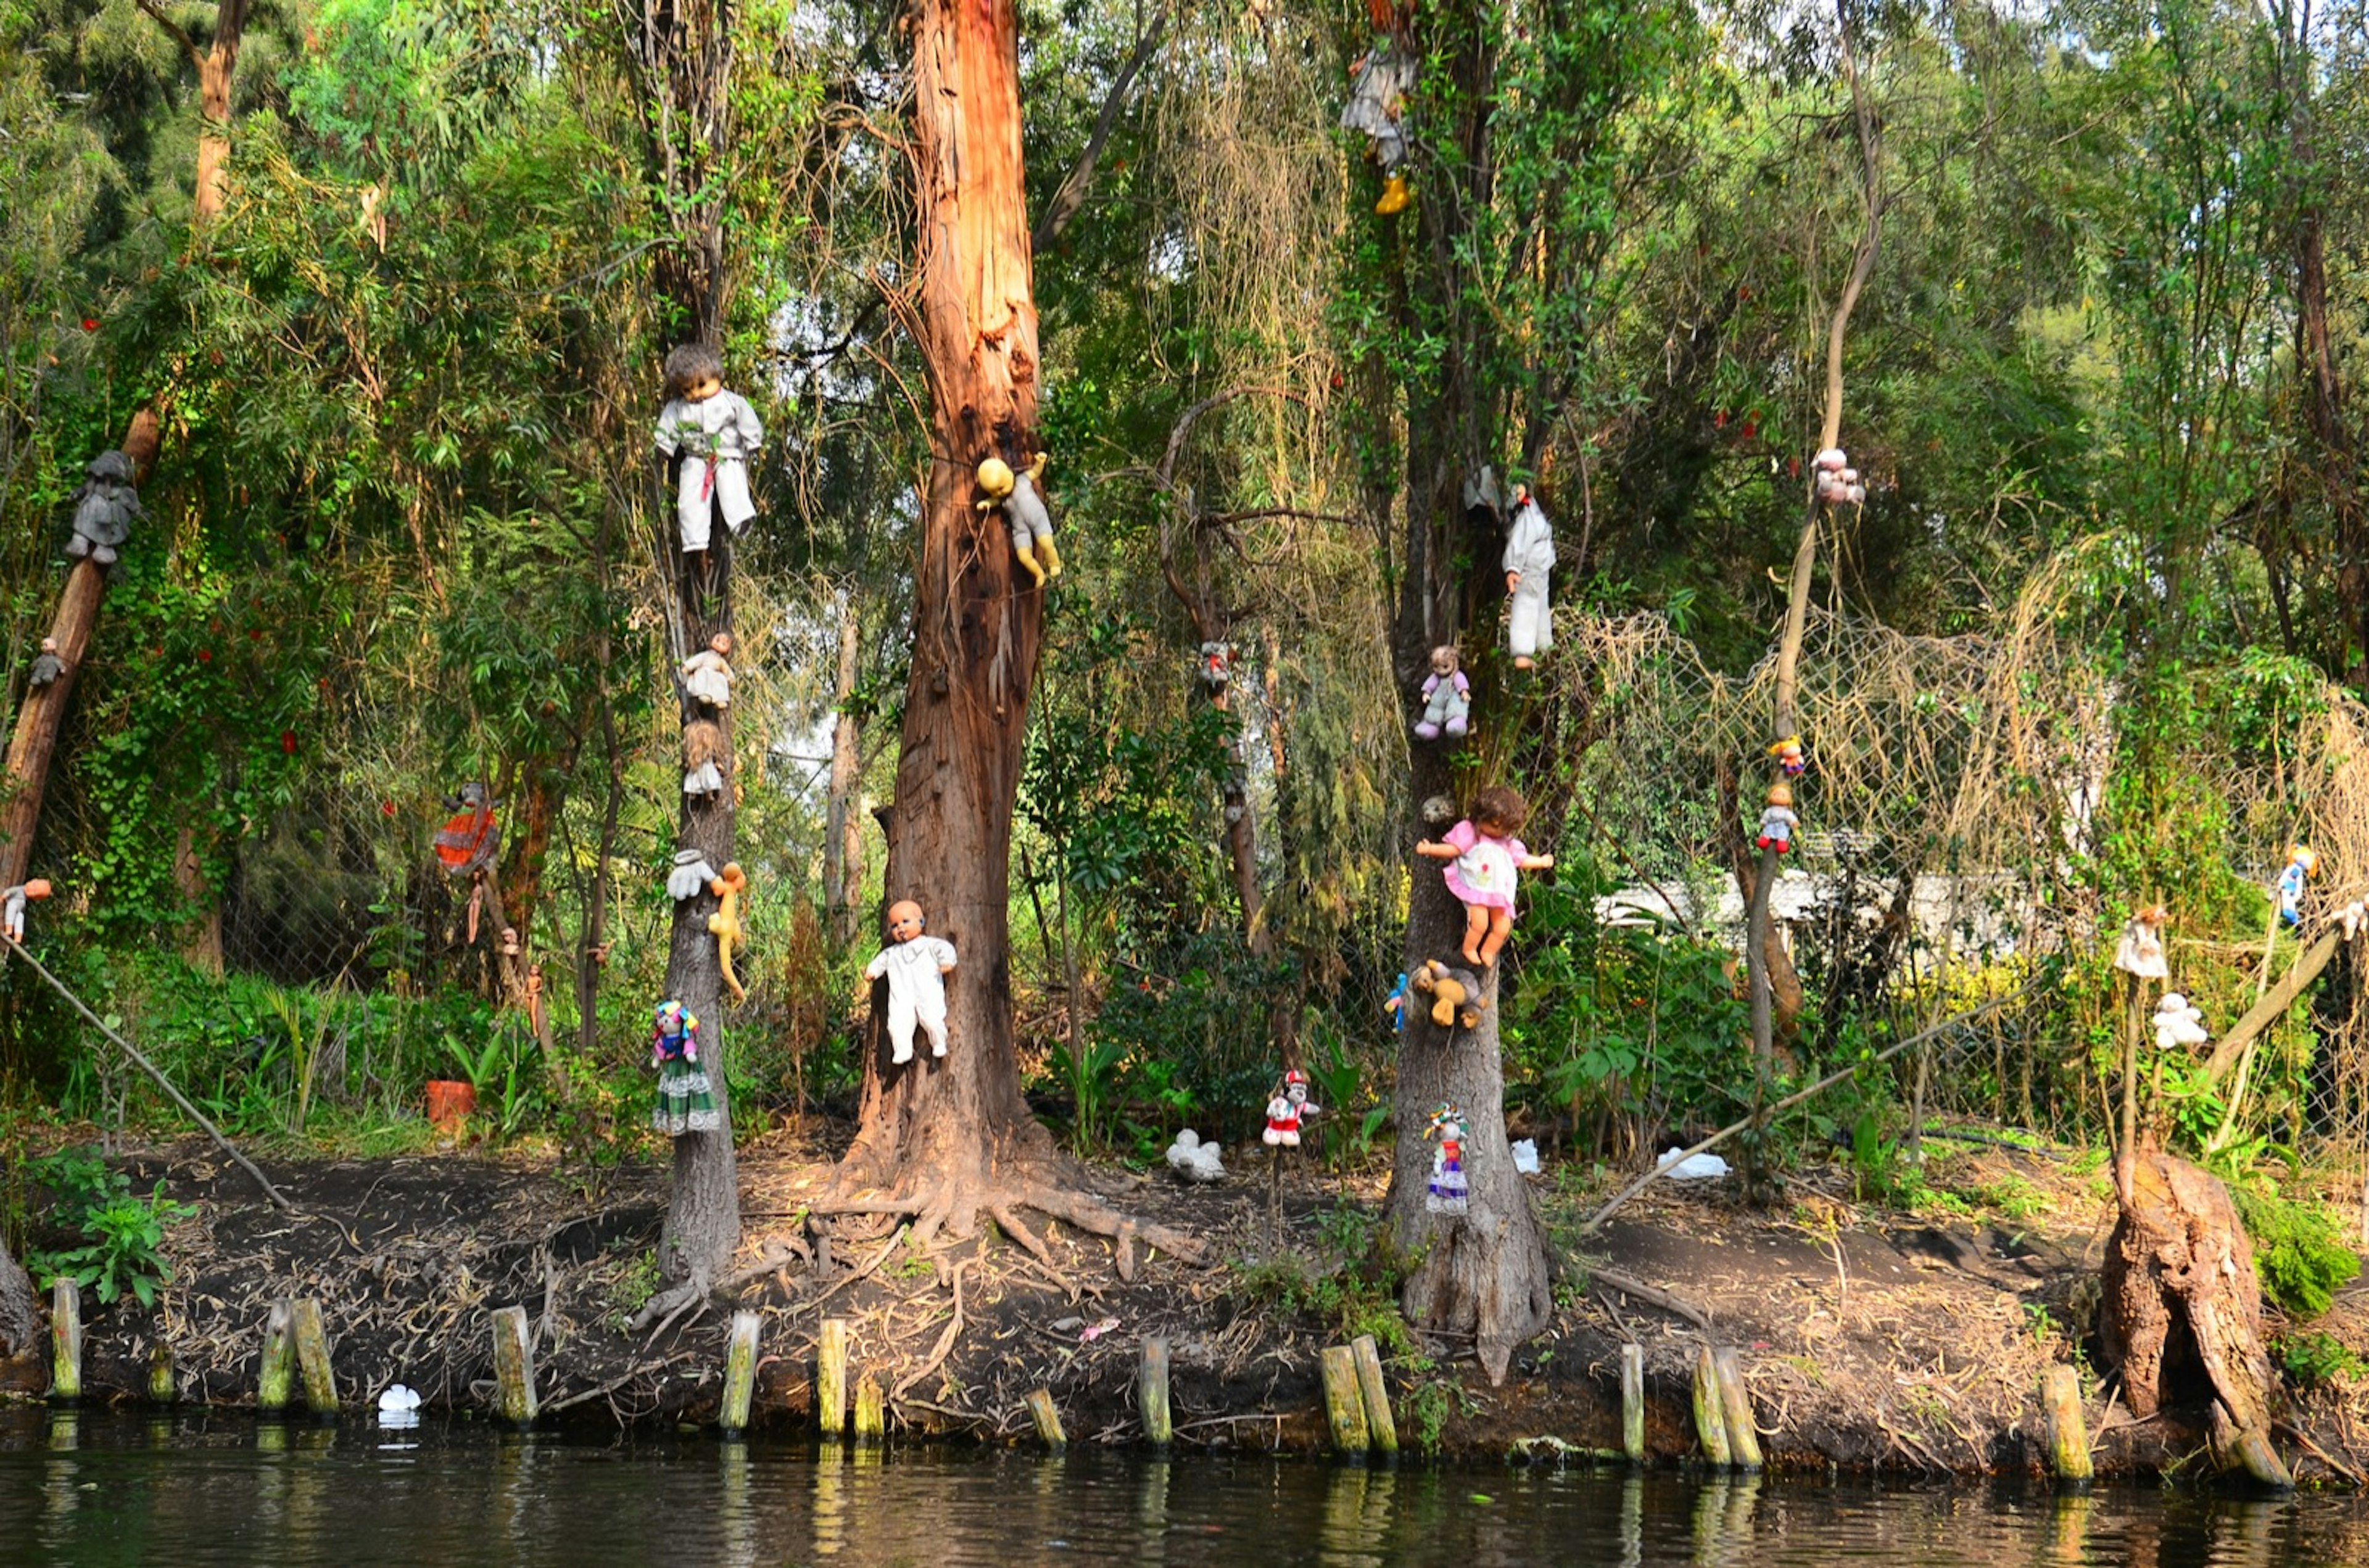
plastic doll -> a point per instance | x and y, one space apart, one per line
707 674
1217 666
1032 525
1289 1108
686 1099
47 665
1448 1193
1530 557
11 906
702 748
1447 697
104 509
1789 759
1378 87
716 433
916 968
2178 1023
2303 865
1484 860
1777 819
2140 952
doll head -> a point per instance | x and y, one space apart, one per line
2305 856
39 887
722 643
1446 1123
1780 794
2153 915
905 921
49 644
1442 660
1521 497
694 373
1295 1087
1499 812
995 480
670 1020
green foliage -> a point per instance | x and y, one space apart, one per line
2319 1359
122 1235
2300 1251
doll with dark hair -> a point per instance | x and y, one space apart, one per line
1484 862
715 433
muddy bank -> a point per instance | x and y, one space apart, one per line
1872 1341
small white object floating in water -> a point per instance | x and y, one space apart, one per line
398 1400
1193 1159
1694 1168
1526 1157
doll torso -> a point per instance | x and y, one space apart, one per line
1485 869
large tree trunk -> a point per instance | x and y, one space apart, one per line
20 1324
217 68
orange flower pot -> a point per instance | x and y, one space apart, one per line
449 1103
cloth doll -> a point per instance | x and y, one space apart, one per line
1378 89
702 748
468 841
1217 666
1484 860
1032 525
1289 1108
2303 865
916 968
11 906
690 875
2140 952
1447 697
2177 1022
104 509
1790 761
1448 1193
686 1099
725 923
47 665
1777 819
716 433
1530 557
707 674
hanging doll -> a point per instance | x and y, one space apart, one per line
2140 952
1378 89
2178 1023
104 509
716 433
916 968
465 845
1289 1108
686 1099
689 877
707 674
1777 819
702 748
1032 525
1396 1005
11 906
1836 481
47 665
725 923
1455 994
1448 1193
1217 666
2303 865
1484 860
1447 697
1530 557
1789 759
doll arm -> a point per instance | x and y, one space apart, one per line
1430 684
1438 852
667 439
752 434
879 966
943 952
1463 685
1537 863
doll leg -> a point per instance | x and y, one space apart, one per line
1025 546
1501 925
901 1019
934 1024
1048 552
1476 924
691 509
732 495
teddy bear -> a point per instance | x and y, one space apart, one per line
1455 994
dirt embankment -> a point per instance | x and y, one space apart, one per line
1871 1340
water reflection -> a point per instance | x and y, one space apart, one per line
204 1489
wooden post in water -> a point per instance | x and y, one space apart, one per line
163 1387
870 1411
1735 1405
740 1372
1049 1420
279 1369
1632 1403
1345 1404
1381 1427
1152 1393
2069 1433
831 1377
313 1358
65 1341
514 1366
1710 1416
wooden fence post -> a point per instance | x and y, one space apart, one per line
514 1365
273 1378
1632 1403
65 1341
1344 1403
313 1358
1381 1427
1710 1416
831 1377
1049 1420
1152 1393
740 1372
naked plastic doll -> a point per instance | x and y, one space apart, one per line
1447 697
916 968
1484 862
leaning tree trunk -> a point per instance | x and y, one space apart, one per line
20 1324
842 833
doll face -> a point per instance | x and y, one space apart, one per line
904 920
722 643
1296 1093
703 389
1443 662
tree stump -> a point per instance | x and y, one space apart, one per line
2182 1314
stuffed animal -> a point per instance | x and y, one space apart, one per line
1455 994
1285 1112
725 923
1217 666
716 433
1032 525
1193 1159
2177 1022
104 509
702 748
47 665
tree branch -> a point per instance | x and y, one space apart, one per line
173 29
1080 181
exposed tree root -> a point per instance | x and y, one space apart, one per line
955 1206
1013 1228
946 1341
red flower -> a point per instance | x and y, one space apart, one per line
1792 468
205 656
288 742
1719 421
1751 426
90 324
386 808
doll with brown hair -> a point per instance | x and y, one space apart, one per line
1484 862
715 433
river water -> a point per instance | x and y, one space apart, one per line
201 1490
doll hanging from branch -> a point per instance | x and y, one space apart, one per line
1032 525
686 1100
916 968
1447 697
715 433
1485 865
1378 84
1530 559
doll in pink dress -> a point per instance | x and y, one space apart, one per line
1484 860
